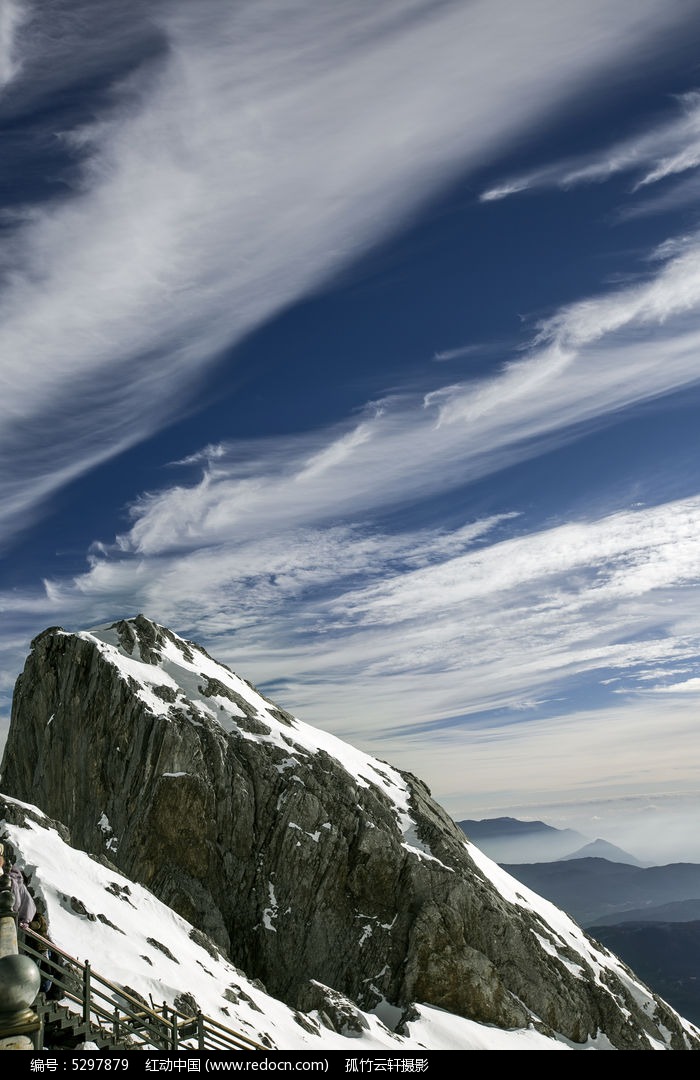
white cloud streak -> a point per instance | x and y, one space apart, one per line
590 361
461 351
669 149
12 16
267 147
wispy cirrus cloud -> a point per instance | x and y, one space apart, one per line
255 150
530 611
457 353
588 362
13 14
668 149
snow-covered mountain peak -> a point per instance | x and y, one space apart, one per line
174 678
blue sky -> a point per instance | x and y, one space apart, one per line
360 343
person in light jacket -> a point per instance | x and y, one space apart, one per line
22 900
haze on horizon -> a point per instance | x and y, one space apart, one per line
360 345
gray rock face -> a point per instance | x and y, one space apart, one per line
314 867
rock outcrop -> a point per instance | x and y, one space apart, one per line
318 869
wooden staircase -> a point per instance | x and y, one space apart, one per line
64 1029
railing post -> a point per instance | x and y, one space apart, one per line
87 990
173 1026
200 1031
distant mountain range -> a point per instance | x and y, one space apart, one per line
509 840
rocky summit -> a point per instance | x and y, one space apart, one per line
316 868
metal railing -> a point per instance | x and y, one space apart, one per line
107 1013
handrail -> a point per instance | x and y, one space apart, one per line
127 1017
83 969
